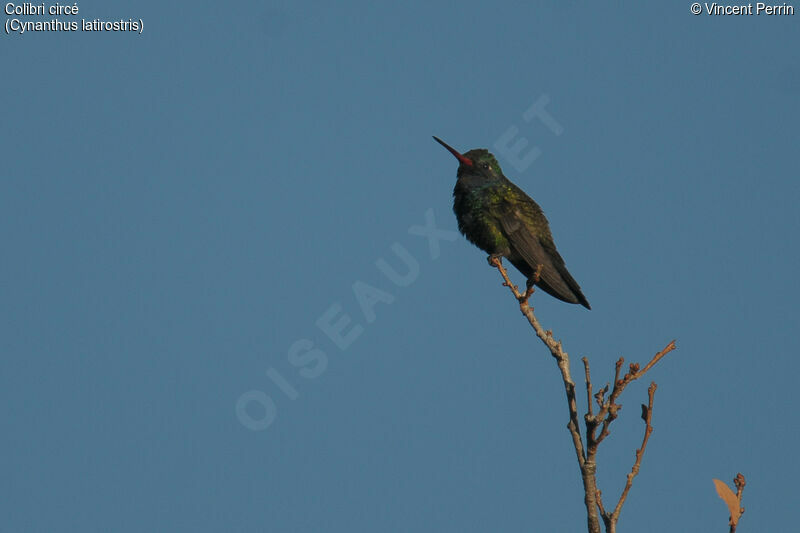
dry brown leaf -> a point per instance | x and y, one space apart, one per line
729 498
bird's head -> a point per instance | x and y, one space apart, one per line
478 162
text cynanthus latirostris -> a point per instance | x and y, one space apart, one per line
500 219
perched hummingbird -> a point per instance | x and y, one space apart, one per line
499 218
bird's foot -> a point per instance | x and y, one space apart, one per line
495 260
529 288
537 274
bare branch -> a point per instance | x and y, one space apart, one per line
600 504
656 358
588 468
739 482
647 416
608 409
588 387
606 402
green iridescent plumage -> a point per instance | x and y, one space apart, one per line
499 218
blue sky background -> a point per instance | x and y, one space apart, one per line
179 207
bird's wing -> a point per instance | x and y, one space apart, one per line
554 277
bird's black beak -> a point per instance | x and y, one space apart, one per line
461 159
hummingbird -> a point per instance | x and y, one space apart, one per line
499 218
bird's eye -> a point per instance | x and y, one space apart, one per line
486 166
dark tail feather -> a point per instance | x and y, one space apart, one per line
571 293
556 281
573 286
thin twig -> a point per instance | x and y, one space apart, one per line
608 413
600 502
556 351
739 482
656 358
608 409
588 387
647 416
588 468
